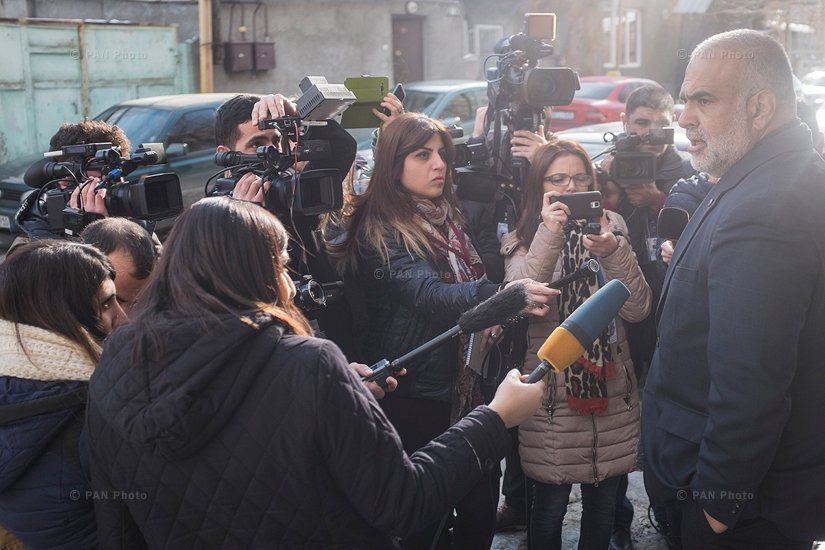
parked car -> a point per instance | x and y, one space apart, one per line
184 123
600 99
591 137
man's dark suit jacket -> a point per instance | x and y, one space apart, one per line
734 406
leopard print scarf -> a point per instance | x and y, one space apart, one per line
585 379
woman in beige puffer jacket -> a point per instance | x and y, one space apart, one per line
558 445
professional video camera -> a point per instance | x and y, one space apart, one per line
314 137
152 197
632 167
518 90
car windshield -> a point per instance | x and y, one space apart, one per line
595 90
141 124
419 102
814 80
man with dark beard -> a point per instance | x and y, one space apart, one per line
732 417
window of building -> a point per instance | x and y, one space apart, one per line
622 39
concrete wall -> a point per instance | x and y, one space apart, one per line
342 39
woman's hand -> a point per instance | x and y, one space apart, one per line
667 251
393 105
490 336
93 199
540 295
554 215
377 391
516 401
602 245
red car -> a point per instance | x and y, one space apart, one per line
601 99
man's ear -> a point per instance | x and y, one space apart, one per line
762 109
624 122
222 149
820 143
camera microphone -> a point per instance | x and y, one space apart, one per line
672 221
45 170
491 312
569 340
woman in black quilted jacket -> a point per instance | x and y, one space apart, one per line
407 244
216 421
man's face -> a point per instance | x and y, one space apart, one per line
716 116
126 283
251 138
642 120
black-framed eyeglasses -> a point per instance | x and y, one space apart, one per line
563 180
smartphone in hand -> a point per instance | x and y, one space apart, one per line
398 92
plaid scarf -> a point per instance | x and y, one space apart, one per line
585 379
450 242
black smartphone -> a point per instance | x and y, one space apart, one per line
583 206
398 92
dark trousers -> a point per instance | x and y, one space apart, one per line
747 534
419 421
624 508
513 486
550 507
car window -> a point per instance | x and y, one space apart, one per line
196 129
461 106
814 79
417 101
595 90
623 93
141 124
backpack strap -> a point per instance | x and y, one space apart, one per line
18 411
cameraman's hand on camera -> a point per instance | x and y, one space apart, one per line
554 215
644 195
91 198
251 188
272 106
478 127
516 401
377 391
393 105
525 143
604 244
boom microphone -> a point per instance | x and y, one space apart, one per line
491 312
569 340
45 170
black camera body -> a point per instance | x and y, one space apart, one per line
154 197
632 167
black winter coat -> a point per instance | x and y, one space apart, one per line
242 437
408 303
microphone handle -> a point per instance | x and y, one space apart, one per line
383 368
538 373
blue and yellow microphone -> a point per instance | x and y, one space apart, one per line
578 332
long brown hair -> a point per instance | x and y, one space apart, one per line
222 256
54 285
534 185
386 203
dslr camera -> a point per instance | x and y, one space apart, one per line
154 197
632 167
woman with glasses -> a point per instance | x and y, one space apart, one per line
588 428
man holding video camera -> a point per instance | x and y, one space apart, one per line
32 219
